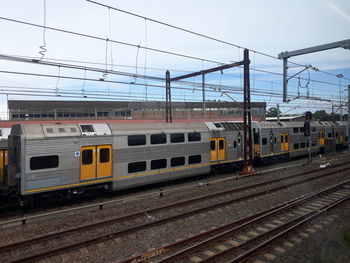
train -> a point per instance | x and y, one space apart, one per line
69 159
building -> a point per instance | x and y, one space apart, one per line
150 110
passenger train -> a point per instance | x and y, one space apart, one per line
72 158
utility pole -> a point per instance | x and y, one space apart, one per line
278 112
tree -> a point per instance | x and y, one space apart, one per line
272 112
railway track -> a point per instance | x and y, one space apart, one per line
240 240
146 219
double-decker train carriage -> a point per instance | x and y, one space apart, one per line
286 139
68 159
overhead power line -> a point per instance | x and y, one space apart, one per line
148 48
110 40
200 34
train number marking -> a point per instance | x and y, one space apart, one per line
77 154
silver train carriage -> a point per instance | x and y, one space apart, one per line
274 140
46 157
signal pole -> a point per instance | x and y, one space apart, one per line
307 133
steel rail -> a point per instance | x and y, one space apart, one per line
232 228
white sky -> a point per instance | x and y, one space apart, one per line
269 26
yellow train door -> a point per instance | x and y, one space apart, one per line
104 161
221 149
213 150
88 162
286 142
321 138
341 136
217 149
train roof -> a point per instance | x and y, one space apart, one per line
41 131
270 124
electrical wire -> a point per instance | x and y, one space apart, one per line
199 34
43 47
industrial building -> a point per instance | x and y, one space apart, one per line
150 110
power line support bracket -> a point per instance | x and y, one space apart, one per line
288 54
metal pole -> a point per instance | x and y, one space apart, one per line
340 104
309 150
167 88
349 115
203 94
7 104
285 81
247 140
278 112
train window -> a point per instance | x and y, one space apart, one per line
158 138
336 135
49 130
307 144
0 132
194 159
296 130
104 155
234 144
217 125
158 164
313 129
136 167
194 137
264 141
296 145
73 129
329 135
302 145
301 129
61 130
285 138
275 140
87 128
177 161
212 145
177 137
282 139
221 144
86 157
43 162
239 141
134 140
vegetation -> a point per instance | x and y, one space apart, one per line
321 115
